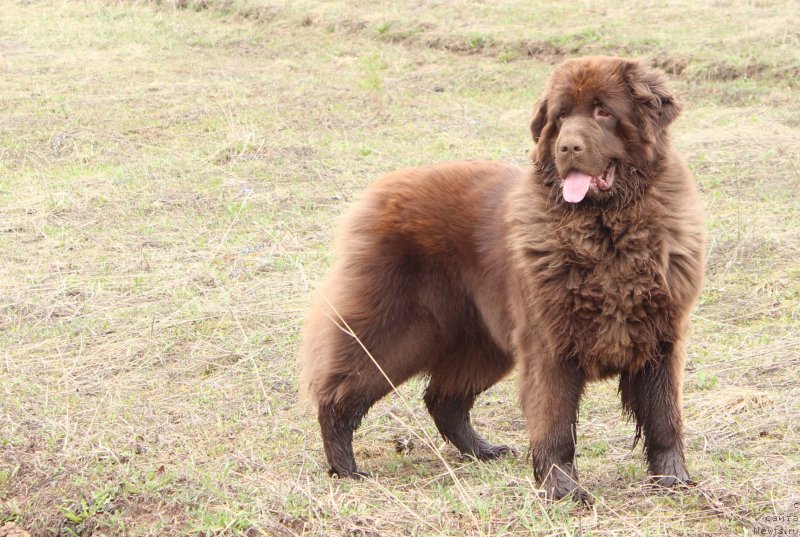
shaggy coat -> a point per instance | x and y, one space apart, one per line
582 267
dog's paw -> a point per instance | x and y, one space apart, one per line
560 484
495 452
357 475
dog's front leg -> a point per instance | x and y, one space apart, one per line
550 393
653 396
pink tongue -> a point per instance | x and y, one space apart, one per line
576 185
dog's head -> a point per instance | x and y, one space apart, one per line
600 129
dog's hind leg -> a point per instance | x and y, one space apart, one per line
354 380
454 386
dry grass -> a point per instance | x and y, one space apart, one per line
169 179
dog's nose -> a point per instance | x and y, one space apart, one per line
570 145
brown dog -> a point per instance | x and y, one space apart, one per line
584 267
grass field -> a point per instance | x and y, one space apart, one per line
170 175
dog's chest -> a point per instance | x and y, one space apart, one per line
615 297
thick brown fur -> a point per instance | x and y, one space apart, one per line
463 269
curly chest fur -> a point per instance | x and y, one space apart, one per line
602 286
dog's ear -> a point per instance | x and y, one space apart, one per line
539 126
539 119
651 96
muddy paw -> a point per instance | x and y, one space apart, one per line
671 481
668 470
559 484
495 452
358 475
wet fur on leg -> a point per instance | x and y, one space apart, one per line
651 397
451 416
338 422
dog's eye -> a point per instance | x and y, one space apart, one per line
602 112
562 115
